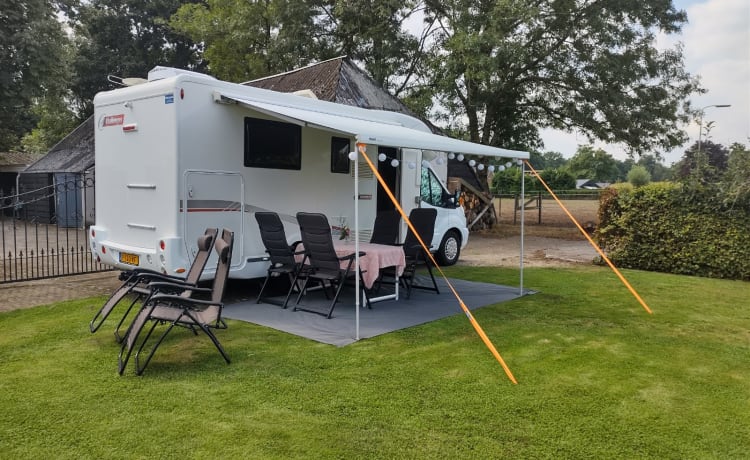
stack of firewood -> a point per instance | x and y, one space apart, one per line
473 205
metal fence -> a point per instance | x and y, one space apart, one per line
43 231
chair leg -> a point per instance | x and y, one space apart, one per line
109 305
434 283
263 288
301 291
214 339
131 338
293 280
336 297
138 368
119 337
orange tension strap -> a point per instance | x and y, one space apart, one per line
596 246
362 149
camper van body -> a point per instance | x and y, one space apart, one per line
183 152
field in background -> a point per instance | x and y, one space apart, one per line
554 221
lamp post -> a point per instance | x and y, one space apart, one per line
700 121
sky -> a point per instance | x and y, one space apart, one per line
716 43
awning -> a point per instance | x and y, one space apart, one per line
367 126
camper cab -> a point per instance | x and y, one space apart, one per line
184 151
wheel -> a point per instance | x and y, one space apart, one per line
450 248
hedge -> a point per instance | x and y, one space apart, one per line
665 227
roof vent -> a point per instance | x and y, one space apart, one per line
125 81
305 93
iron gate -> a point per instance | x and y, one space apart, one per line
43 229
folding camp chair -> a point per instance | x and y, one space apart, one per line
423 221
137 280
177 310
386 227
281 253
324 263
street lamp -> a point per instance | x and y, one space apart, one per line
700 121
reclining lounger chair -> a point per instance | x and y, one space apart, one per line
136 283
178 310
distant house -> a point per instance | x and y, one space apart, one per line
590 184
56 187
11 163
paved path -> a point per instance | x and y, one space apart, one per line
26 294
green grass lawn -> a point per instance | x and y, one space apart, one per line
598 378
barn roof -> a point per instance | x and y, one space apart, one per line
22 159
75 153
337 80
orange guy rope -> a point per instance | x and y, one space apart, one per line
596 246
362 149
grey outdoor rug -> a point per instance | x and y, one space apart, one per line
384 317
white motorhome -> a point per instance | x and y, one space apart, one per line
184 151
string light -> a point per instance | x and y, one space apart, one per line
440 160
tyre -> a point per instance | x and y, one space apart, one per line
450 248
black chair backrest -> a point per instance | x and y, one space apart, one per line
316 237
274 238
223 248
385 230
423 220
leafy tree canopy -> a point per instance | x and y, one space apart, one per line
124 38
706 163
273 36
596 164
32 64
515 66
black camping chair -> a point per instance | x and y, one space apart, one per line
385 230
281 254
136 281
324 263
178 310
423 221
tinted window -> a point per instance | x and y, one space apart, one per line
272 144
340 149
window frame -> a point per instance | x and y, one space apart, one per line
286 145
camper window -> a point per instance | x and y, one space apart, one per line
340 148
272 144
432 191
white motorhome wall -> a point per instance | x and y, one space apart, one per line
170 162
136 173
209 137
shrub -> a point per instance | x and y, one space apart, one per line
639 176
669 228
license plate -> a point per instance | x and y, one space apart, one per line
130 259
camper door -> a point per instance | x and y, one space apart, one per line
213 199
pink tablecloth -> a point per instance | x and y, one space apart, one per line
378 256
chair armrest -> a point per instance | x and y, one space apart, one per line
184 301
159 286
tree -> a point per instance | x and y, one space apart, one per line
515 66
273 36
32 65
736 178
595 164
706 164
245 40
124 38
639 176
